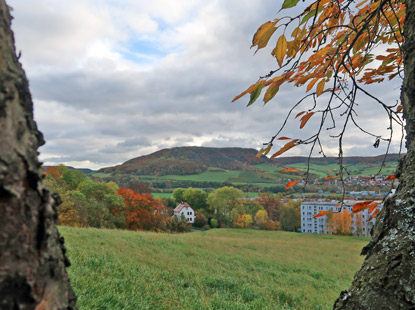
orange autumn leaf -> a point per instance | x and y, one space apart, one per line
301 113
328 177
263 34
321 213
284 138
320 88
291 184
285 148
373 215
360 206
311 84
331 170
400 107
372 206
305 119
391 177
289 169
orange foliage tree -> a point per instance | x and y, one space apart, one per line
243 221
340 223
142 211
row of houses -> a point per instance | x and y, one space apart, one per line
319 225
309 224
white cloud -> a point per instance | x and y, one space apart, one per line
112 80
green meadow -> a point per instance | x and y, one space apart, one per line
215 269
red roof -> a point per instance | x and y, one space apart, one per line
181 206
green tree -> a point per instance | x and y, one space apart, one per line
195 197
200 219
178 195
222 201
73 178
289 219
102 204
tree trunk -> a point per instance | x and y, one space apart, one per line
387 277
32 255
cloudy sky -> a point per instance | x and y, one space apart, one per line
116 79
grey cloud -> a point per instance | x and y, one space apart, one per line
94 110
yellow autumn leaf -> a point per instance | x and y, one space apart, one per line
263 34
311 84
320 87
280 50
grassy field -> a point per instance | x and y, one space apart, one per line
354 169
216 269
211 175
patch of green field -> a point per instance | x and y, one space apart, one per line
211 175
99 174
274 171
216 269
320 170
353 169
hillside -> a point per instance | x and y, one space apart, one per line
215 269
189 160
210 168
196 160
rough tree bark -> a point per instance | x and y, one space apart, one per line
387 277
32 255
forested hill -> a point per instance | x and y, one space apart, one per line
195 160
190 160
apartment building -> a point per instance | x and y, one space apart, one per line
319 225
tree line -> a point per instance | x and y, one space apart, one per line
89 203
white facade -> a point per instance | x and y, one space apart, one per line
185 209
319 225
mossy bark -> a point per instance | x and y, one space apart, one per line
32 255
387 277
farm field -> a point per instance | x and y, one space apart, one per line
353 169
215 269
268 175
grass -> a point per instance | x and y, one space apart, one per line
354 169
216 269
211 175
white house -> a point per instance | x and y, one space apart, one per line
319 225
185 209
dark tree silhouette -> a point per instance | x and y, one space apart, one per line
32 254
